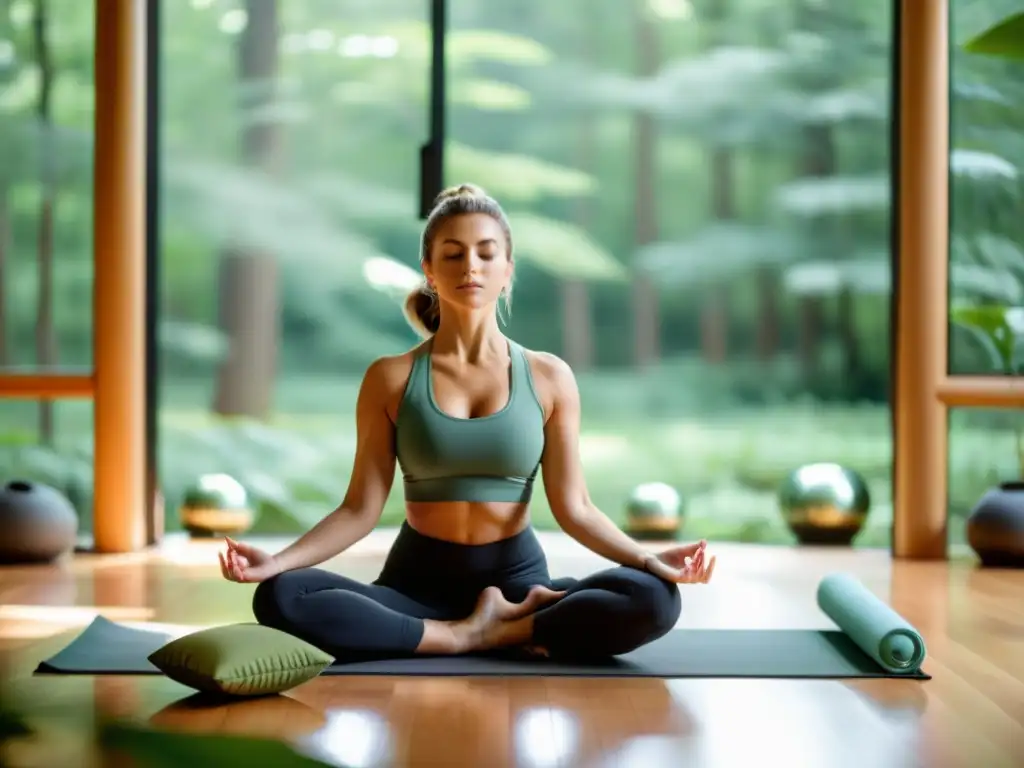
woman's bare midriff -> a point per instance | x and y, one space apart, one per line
467 522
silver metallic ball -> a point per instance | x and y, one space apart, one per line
654 510
824 503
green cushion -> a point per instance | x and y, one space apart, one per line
240 659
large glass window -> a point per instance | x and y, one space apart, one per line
986 253
700 196
289 230
46 265
986 191
46 97
700 199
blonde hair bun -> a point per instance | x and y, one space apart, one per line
462 190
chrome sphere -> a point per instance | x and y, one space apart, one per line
824 503
654 510
216 504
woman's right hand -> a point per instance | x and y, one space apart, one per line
246 564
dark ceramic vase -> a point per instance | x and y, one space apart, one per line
37 523
995 527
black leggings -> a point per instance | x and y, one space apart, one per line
605 614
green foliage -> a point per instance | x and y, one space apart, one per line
148 747
520 179
563 249
781 109
834 195
719 251
154 748
987 263
1004 39
993 326
713 434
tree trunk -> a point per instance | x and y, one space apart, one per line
846 327
646 320
767 339
768 334
818 161
577 324
6 238
46 342
248 280
248 285
5 243
714 312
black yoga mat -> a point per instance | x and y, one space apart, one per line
108 648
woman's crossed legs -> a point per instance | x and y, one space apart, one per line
608 613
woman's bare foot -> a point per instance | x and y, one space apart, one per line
538 651
496 622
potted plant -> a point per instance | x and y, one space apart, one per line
995 527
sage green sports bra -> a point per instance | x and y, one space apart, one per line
490 458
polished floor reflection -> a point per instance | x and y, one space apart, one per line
970 714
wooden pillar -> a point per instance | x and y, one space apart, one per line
920 455
119 295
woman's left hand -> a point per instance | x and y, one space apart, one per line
688 564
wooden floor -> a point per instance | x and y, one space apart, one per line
971 714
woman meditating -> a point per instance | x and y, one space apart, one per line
470 416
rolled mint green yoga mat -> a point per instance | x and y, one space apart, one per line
873 626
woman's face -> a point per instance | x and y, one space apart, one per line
469 263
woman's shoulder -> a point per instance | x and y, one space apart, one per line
550 371
391 372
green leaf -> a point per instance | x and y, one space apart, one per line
840 106
308 227
360 201
465 47
831 195
991 321
989 249
718 251
491 96
981 166
729 80
725 77
489 45
562 249
1004 39
166 749
200 343
240 208
871 274
516 178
